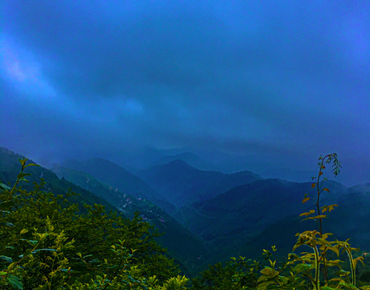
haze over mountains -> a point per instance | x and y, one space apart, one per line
182 184
209 216
214 159
190 158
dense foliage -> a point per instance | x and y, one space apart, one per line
46 244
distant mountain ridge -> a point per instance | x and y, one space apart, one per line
190 158
146 157
290 175
251 206
209 154
183 184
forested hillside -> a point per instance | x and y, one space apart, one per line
10 167
182 245
120 179
48 243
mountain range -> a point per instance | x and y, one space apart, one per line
208 216
183 184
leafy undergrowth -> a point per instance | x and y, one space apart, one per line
45 243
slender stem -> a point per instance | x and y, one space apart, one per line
325 270
317 269
17 181
353 270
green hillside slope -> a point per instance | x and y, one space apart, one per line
120 179
10 167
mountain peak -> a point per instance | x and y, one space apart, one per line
179 162
173 165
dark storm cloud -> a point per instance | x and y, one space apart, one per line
286 77
95 54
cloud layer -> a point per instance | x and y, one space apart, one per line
280 80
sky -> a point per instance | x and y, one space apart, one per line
277 81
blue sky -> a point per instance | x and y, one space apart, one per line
279 80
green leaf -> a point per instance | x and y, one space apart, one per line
31 164
6 224
265 284
23 161
307 213
302 267
24 231
5 258
14 281
347 285
268 271
335 250
38 250
47 250
4 187
21 175
33 242
305 199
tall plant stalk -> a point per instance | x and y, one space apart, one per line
327 159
